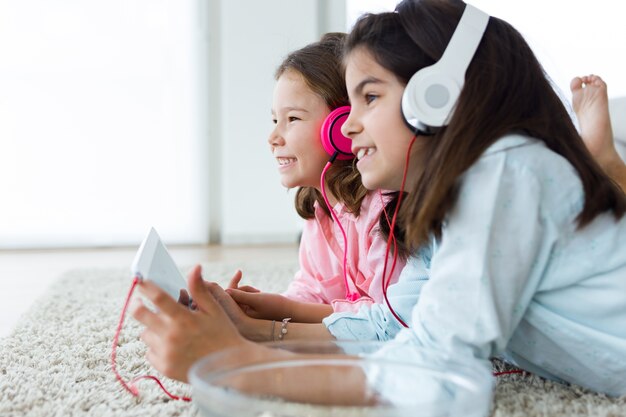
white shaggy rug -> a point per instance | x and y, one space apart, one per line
56 361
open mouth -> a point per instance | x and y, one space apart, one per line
364 152
285 161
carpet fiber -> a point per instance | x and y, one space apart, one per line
56 361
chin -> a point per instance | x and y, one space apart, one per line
370 183
287 183
373 184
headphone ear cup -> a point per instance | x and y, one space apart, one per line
432 92
333 141
429 99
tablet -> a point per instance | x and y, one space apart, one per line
153 262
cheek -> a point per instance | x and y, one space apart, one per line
309 142
315 152
398 145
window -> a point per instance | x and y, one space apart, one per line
100 132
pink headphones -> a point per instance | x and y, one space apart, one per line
338 147
334 142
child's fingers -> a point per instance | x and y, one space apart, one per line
146 317
159 298
225 300
234 281
151 339
183 298
248 288
242 297
200 292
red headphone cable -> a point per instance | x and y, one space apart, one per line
395 252
350 296
385 281
130 386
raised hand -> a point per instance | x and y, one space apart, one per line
176 336
234 283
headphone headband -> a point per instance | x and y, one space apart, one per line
432 92
464 42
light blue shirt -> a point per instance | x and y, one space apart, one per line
376 322
514 276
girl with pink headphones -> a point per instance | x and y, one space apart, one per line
344 242
347 255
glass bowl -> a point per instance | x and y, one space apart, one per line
317 379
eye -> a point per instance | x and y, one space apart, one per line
370 97
293 118
274 120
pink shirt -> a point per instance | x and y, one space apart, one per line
320 278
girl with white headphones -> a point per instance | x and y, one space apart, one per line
524 229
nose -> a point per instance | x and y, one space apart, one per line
275 139
350 126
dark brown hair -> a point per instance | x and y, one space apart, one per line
506 90
319 64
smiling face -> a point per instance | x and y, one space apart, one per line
380 137
298 114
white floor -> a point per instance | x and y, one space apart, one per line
25 275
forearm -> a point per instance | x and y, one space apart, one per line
305 331
309 312
311 384
269 331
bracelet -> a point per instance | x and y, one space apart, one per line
272 331
283 328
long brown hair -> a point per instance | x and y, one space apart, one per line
506 90
319 64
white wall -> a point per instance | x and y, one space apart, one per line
254 206
570 37
118 115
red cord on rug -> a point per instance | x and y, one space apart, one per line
513 371
130 386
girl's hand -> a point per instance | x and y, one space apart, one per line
184 298
176 336
234 283
260 305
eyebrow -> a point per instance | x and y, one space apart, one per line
369 80
290 109
294 108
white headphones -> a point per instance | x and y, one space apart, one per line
432 92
